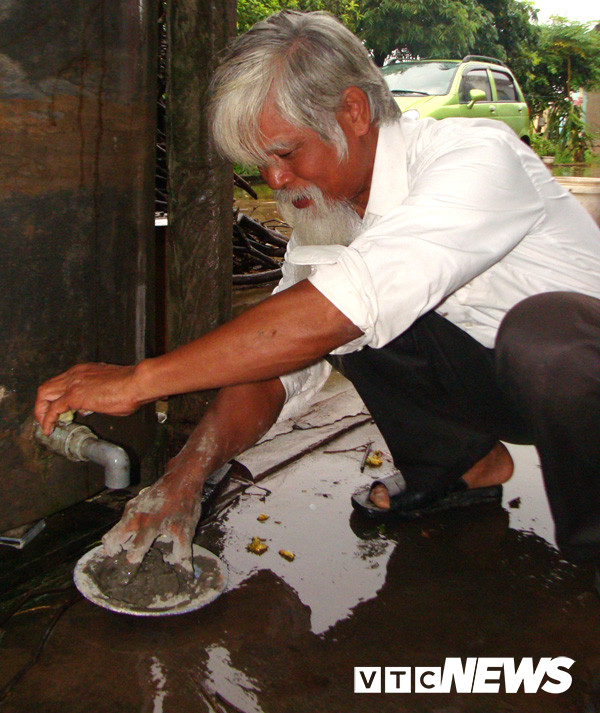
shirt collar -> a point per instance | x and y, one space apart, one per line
389 184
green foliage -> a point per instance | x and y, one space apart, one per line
515 39
544 146
251 11
425 28
568 60
566 128
243 169
421 28
348 11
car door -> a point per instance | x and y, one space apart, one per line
476 78
509 105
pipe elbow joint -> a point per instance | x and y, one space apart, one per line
79 443
112 458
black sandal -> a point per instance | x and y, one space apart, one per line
410 503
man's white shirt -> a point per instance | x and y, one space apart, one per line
462 218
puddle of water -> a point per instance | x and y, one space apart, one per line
285 636
234 685
337 564
577 169
308 511
158 677
524 495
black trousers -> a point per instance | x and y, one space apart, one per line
441 401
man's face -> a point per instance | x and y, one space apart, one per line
299 158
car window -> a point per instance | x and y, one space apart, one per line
421 78
505 86
474 79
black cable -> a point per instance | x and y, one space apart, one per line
34 595
6 689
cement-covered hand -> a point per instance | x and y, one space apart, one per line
103 388
163 510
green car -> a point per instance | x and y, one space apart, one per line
476 87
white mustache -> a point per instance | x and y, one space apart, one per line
287 196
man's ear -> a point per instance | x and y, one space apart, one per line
354 112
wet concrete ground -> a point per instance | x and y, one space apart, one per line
285 636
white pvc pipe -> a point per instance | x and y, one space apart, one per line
79 443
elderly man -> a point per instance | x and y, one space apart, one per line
437 264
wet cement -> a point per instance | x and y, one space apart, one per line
285 636
155 584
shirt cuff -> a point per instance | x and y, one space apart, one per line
301 387
347 284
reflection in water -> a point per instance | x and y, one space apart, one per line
480 581
525 497
285 636
337 566
157 675
457 583
233 685
587 170
308 511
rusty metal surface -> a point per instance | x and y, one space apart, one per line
77 104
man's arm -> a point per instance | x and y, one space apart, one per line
288 331
238 417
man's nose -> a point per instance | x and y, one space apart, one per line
275 176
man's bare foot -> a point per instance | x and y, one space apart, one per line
493 469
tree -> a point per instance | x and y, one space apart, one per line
422 28
348 11
251 11
569 60
515 40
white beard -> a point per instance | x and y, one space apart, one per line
321 223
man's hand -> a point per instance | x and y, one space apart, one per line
169 510
103 388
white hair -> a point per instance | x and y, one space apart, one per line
305 62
